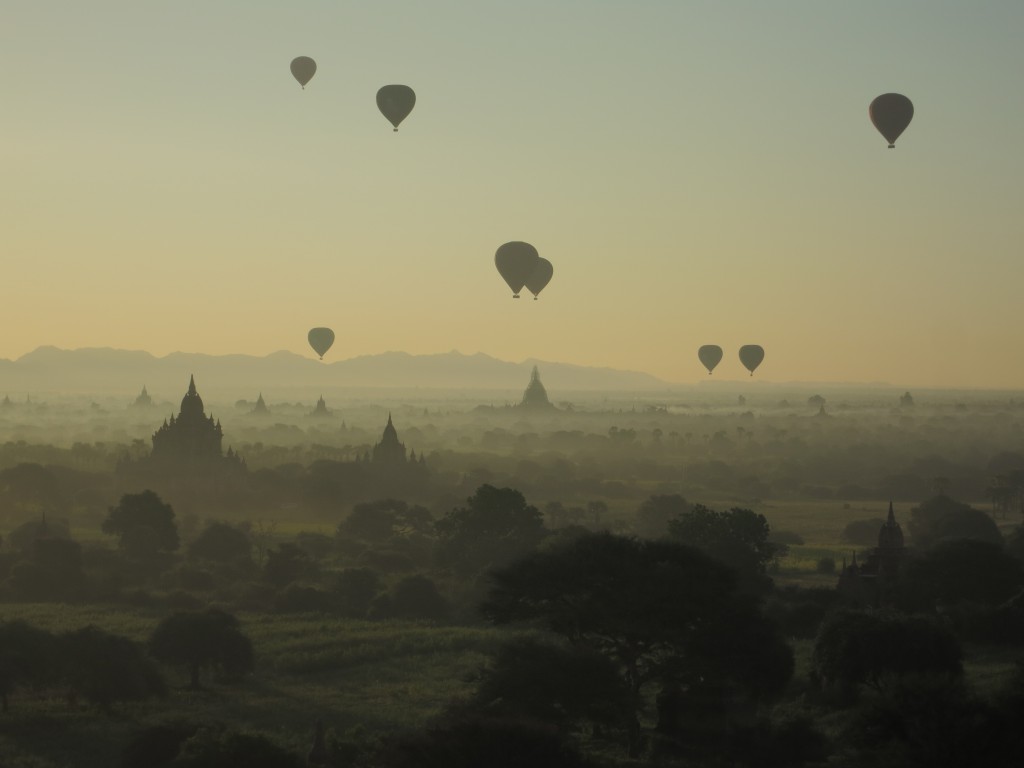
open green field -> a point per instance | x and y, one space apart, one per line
356 676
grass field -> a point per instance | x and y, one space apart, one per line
371 676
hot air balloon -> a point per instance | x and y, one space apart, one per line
751 356
516 262
303 69
540 277
321 339
710 355
891 114
396 102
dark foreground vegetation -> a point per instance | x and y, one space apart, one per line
366 611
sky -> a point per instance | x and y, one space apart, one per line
696 172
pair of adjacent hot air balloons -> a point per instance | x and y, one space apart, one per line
521 266
751 356
891 113
321 340
394 101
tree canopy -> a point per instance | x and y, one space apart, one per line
941 518
877 648
665 613
495 527
739 538
197 640
143 521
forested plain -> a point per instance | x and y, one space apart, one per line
700 578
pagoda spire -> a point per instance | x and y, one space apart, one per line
192 385
892 517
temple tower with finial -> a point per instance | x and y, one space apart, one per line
890 547
535 395
192 436
389 450
321 408
260 409
143 400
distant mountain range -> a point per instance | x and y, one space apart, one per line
122 372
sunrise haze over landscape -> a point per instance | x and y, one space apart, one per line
698 173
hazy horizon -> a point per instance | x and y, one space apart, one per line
728 375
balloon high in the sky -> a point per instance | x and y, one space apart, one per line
751 356
516 262
710 355
303 69
321 339
396 102
540 277
891 114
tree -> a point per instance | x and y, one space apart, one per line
354 590
33 490
376 522
143 522
287 563
22 538
495 527
222 543
553 683
961 570
654 515
941 518
739 538
214 746
416 597
472 742
875 649
932 722
27 656
199 640
862 533
105 668
664 613
157 745
54 572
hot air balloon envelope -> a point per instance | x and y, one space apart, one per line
540 277
710 355
321 339
396 102
751 356
516 262
891 113
303 69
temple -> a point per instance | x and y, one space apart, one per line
321 408
260 409
192 436
143 400
871 583
389 451
535 396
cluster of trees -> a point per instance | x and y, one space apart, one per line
670 644
104 668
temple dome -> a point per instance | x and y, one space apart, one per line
191 403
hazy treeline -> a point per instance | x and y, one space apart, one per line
602 586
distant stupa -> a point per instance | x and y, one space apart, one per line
321 408
535 395
260 409
143 400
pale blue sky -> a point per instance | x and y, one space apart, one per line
697 172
